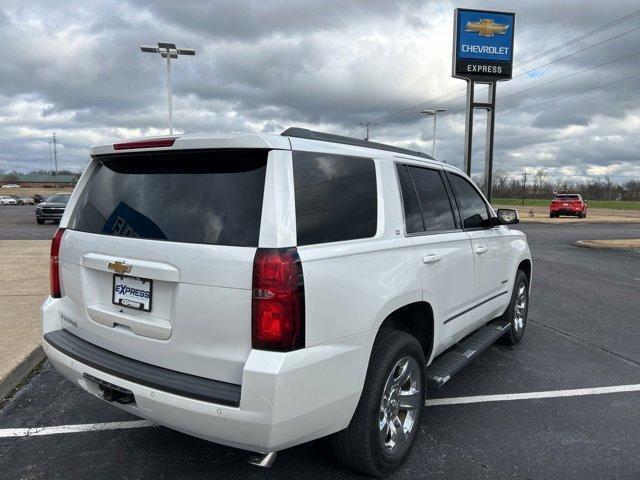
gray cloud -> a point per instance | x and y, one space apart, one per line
263 66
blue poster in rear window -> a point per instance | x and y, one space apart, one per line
483 43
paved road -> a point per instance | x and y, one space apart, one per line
583 332
18 222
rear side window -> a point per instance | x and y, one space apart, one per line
336 197
212 197
425 200
412 215
434 201
473 208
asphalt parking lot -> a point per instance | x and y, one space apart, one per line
18 222
583 333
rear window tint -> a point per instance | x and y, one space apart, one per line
336 197
212 197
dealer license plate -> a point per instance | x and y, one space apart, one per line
132 292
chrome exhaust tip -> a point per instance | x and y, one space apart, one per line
265 460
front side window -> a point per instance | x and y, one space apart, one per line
336 197
473 208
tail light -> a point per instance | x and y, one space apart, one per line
54 265
278 300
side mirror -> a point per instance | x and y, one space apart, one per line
506 216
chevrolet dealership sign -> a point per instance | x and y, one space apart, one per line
483 44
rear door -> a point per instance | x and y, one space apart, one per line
490 250
443 249
156 262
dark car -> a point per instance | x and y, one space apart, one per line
38 198
52 208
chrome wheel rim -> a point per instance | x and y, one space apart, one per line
400 404
520 311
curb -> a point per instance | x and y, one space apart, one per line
600 246
21 371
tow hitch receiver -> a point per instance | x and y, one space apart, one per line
111 392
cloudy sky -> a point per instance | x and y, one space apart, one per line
74 67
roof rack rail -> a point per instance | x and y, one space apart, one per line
297 132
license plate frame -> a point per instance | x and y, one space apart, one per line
132 303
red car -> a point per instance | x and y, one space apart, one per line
568 204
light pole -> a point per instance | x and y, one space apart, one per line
168 51
434 113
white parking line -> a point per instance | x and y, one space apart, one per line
87 427
95 427
531 395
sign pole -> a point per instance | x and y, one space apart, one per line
488 154
468 127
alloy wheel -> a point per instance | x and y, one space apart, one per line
400 404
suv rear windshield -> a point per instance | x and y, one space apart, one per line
567 197
212 197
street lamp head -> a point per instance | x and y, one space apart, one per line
433 112
168 50
165 48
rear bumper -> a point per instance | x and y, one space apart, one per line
285 398
565 211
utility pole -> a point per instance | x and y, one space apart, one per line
50 159
367 125
55 154
524 186
168 50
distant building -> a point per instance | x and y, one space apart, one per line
53 181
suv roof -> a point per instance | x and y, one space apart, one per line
284 141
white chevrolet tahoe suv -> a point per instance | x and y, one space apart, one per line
261 291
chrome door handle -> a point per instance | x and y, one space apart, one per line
431 258
481 250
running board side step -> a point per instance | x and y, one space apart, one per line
447 365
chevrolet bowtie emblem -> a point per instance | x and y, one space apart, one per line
486 27
119 267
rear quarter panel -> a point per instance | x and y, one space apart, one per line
352 286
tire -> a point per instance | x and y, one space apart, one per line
551 215
517 306
361 446
40 221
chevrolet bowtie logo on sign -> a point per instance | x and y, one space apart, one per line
486 27
483 44
119 267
